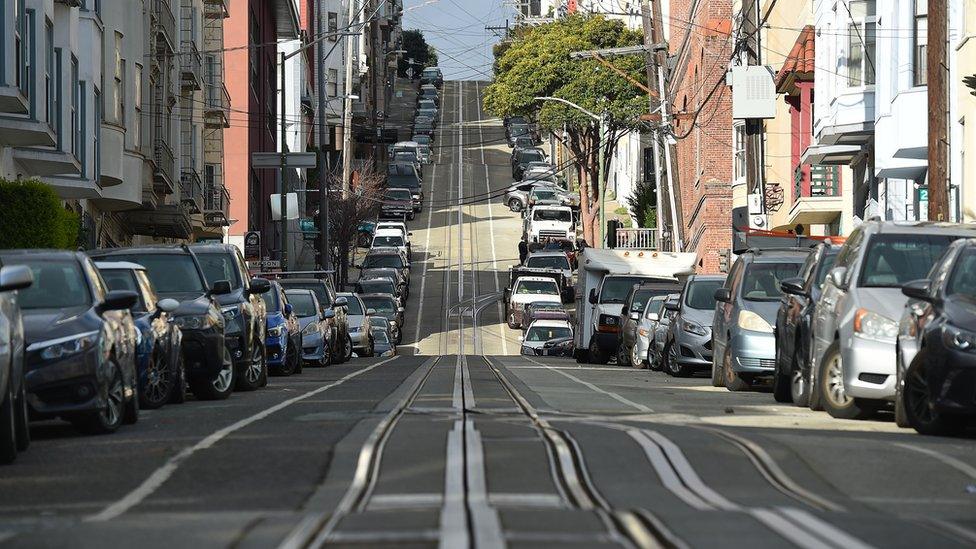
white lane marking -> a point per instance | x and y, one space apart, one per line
453 520
956 464
819 527
688 474
552 501
162 474
787 529
592 387
386 502
423 275
466 389
460 214
487 526
457 399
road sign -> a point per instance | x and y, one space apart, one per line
292 160
292 199
264 264
923 194
252 245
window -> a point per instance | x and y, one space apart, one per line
137 103
254 53
333 25
82 127
97 135
75 123
739 153
20 46
920 40
860 36
119 84
29 84
58 98
333 82
49 73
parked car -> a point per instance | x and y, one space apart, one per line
176 274
744 347
81 342
523 142
688 347
391 238
387 260
159 354
284 333
514 131
384 285
383 345
432 75
429 92
405 176
359 324
14 430
426 146
522 158
316 325
397 203
856 321
633 310
386 305
662 331
794 322
550 259
543 310
328 300
377 322
542 332
936 363
641 354
243 311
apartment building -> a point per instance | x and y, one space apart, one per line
962 108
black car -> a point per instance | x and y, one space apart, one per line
394 275
432 76
386 305
387 260
176 274
14 430
936 347
328 300
514 131
159 359
429 92
794 322
243 311
404 176
383 285
81 342
522 158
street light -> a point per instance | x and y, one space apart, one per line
601 175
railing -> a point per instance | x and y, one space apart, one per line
216 205
216 9
191 190
812 181
191 65
218 104
166 20
165 163
637 239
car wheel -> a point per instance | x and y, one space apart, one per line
653 358
218 387
299 361
22 419
158 386
398 337
918 407
109 418
177 393
733 381
515 205
799 383
289 365
326 359
249 377
8 426
348 349
636 360
835 399
597 355
782 388
674 368
512 324
623 356
717 368
370 349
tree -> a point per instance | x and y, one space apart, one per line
417 48
538 63
643 204
361 203
31 216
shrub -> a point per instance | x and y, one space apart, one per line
643 204
31 216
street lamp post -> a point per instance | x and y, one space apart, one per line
600 119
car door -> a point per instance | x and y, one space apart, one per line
723 311
828 306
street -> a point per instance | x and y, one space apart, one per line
459 442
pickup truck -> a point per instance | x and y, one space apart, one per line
528 289
545 221
404 175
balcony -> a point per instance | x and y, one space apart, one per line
216 9
636 239
164 23
164 221
191 66
216 206
217 113
191 190
164 176
817 195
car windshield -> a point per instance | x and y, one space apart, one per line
169 273
894 259
537 287
123 279
379 335
405 157
270 300
321 293
302 303
383 260
543 195
531 156
654 306
408 181
422 139
824 267
962 282
545 333
642 296
548 262
57 285
701 294
380 304
394 241
376 286
219 266
564 216
398 194
353 305
518 129
616 288
761 280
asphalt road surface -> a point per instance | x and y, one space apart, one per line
455 444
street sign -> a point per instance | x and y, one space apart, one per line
252 245
292 160
923 194
264 264
292 199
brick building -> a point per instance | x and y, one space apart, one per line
701 43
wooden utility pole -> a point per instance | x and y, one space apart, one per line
754 127
938 80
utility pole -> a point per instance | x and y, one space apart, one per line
324 169
347 103
283 181
753 127
374 68
650 65
938 141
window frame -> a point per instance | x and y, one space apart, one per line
137 105
920 51
739 140
98 117
74 109
864 38
59 96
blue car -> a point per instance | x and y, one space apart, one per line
284 333
316 324
159 355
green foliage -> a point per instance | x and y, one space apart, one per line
31 216
538 63
643 202
417 48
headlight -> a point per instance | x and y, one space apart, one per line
274 332
193 322
642 331
696 329
67 346
961 340
354 329
749 320
311 328
874 326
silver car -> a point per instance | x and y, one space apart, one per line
640 356
689 344
856 321
655 356
359 324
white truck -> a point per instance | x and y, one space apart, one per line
549 221
604 280
529 289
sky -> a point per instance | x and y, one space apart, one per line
456 28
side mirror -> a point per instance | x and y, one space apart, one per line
260 286
370 312
722 295
168 305
838 275
917 289
118 300
793 286
625 311
341 302
221 287
592 297
288 309
673 305
15 277
328 314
